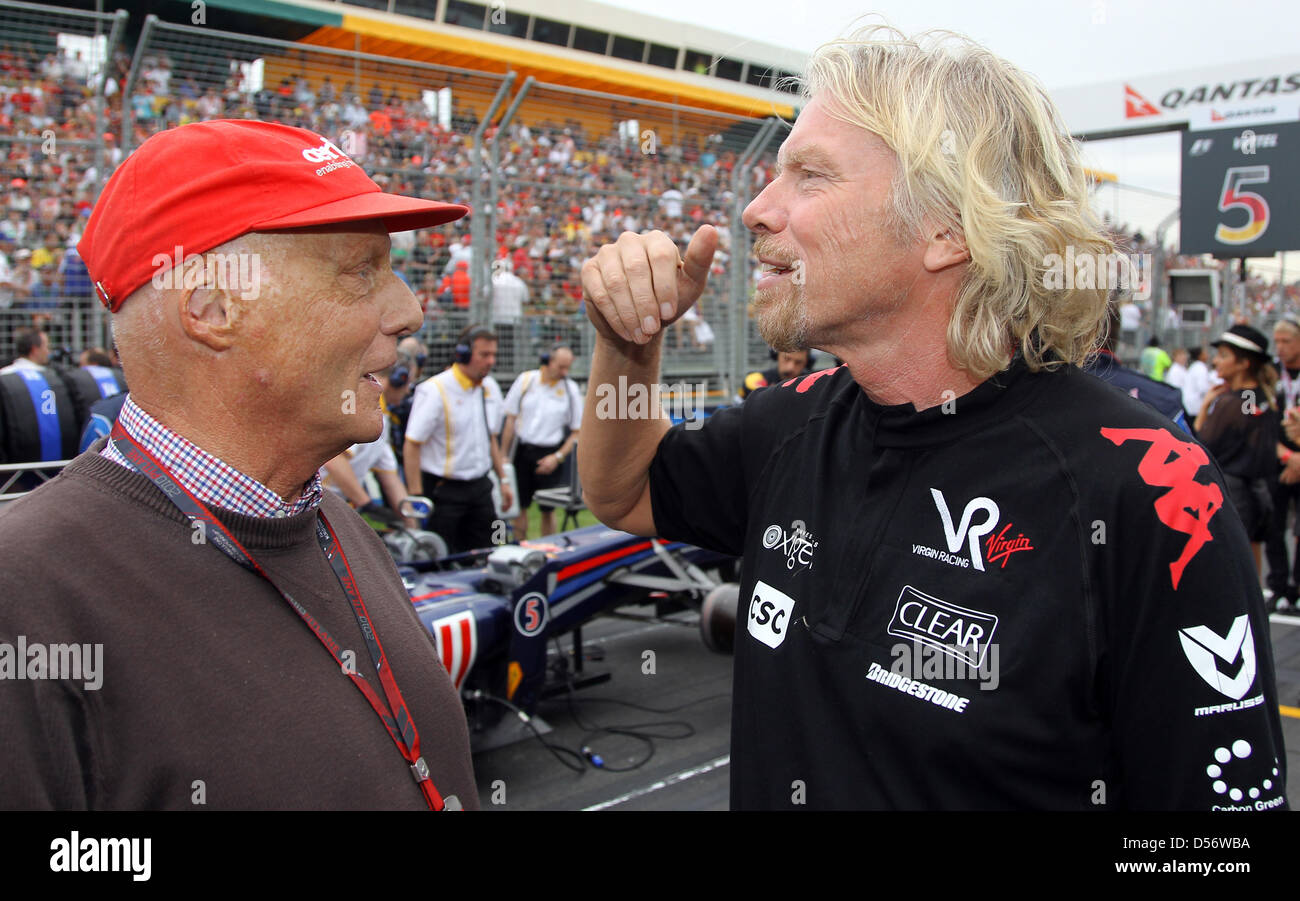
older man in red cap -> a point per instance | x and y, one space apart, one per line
242 639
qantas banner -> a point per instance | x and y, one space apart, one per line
1241 190
1241 93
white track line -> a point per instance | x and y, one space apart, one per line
1289 619
664 783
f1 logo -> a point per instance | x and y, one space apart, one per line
769 614
1202 646
967 529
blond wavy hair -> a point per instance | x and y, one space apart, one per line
982 151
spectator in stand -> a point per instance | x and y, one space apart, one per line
6 275
44 299
1239 425
455 287
509 296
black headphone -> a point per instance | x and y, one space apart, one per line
464 349
546 356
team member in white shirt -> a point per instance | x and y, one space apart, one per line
544 408
450 444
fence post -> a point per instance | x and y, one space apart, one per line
128 109
479 284
485 257
734 374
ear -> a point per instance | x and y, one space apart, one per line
209 315
945 248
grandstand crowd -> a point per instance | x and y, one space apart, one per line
563 191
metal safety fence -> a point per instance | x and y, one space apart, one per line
58 100
551 172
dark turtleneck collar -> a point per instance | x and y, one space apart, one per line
266 533
993 400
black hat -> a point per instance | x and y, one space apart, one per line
1244 338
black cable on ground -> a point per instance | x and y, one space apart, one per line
556 750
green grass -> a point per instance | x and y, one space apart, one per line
535 520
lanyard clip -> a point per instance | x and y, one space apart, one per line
420 770
451 802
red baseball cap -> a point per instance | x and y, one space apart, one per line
198 186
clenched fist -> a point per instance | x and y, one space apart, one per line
639 284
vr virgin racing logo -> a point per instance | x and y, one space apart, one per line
998 548
1188 505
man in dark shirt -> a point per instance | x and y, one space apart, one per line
1107 367
973 577
1284 574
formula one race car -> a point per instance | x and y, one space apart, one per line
492 624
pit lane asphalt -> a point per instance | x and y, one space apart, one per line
693 773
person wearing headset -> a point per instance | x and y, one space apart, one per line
789 363
544 409
451 444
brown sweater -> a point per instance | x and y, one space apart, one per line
212 687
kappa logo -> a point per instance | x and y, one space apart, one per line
1188 505
968 530
1205 647
769 614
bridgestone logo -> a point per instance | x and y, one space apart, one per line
936 696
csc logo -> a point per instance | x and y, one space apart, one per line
532 613
769 614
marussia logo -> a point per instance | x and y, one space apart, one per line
1188 505
1205 647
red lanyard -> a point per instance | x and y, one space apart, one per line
400 726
